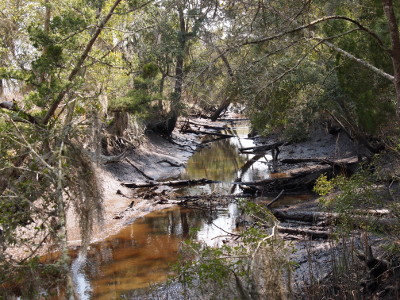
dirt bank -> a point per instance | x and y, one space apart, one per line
156 158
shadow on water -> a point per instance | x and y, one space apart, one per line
142 252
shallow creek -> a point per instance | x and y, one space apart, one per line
141 253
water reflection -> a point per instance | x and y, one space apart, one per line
223 162
142 252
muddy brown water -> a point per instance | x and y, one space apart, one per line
141 254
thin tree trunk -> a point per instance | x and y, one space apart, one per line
176 97
395 51
79 64
161 90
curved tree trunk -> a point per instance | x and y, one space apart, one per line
227 101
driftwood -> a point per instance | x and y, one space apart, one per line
304 216
207 126
208 132
137 169
304 177
315 160
275 199
311 234
169 183
172 164
258 149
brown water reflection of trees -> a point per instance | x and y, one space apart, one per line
141 253
219 162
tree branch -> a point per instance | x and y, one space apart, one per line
23 114
299 28
81 60
359 60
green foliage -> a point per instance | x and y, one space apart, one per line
323 186
135 102
229 270
150 71
68 23
355 198
355 192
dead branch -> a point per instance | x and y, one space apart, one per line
137 169
169 183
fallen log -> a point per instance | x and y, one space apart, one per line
380 223
208 132
207 126
327 161
233 119
258 149
202 197
304 216
304 177
311 234
169 183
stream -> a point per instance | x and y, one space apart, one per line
140 255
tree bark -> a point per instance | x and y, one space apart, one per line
227 101
395 51
180 57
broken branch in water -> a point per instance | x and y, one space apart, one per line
258 149
275 199
169 183
208 132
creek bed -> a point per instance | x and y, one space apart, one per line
140 255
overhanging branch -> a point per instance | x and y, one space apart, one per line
324 19
358 60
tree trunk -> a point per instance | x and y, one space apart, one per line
395 51
176 97
227 101
161 91
78 66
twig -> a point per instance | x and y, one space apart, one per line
275 199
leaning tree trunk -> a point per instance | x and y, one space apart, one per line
227 101
395 51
